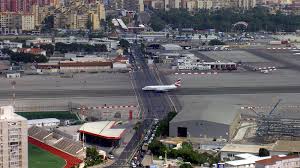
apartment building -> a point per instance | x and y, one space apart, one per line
77 15
10 22
28 22
13 141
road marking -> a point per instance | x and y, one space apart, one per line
196 73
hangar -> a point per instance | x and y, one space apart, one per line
206 118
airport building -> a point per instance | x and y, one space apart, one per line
103 133
14 147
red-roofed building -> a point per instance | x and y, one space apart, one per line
35 51
121 62
121 59
279 162
103 133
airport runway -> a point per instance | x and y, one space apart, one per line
267 56
129 92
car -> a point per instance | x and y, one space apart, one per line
111 156
133 164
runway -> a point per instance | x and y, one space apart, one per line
128 92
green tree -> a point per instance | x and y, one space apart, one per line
258 18
157 24
48 24
215 42
185 165
49 48
92 157
124 44
163 125
157 148
263 152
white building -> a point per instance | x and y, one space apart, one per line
170 47
191 63
244 161
230 151
13 75
14 140
10 45
278 161
45 122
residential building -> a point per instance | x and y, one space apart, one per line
231 151
34 51
245 160
205 4
14 143
28 22
77 15
134 5
292 161
10 22
40 13
10 45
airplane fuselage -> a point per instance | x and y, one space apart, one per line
159 88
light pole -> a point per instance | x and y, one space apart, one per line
13 84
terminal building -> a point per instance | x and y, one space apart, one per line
103 133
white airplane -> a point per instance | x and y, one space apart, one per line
163 88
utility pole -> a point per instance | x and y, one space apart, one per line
13 84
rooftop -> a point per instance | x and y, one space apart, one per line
274 159
102 129
286 146
243 148
44 120
8 113
250 160
208 109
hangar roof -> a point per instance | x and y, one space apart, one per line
217 110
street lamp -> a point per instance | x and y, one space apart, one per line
13 84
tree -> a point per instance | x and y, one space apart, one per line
89 24
163 126
157 24
258 18
48 23
168 36
27 58
185 165
157 148
215 42
124 44
263 152
92 157
49 48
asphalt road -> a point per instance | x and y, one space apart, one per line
155 105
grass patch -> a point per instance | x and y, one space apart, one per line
64 115
39 158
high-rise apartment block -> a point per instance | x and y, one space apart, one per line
13 139
191 5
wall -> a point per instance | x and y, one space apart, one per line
198 128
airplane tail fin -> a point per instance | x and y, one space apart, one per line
178 83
